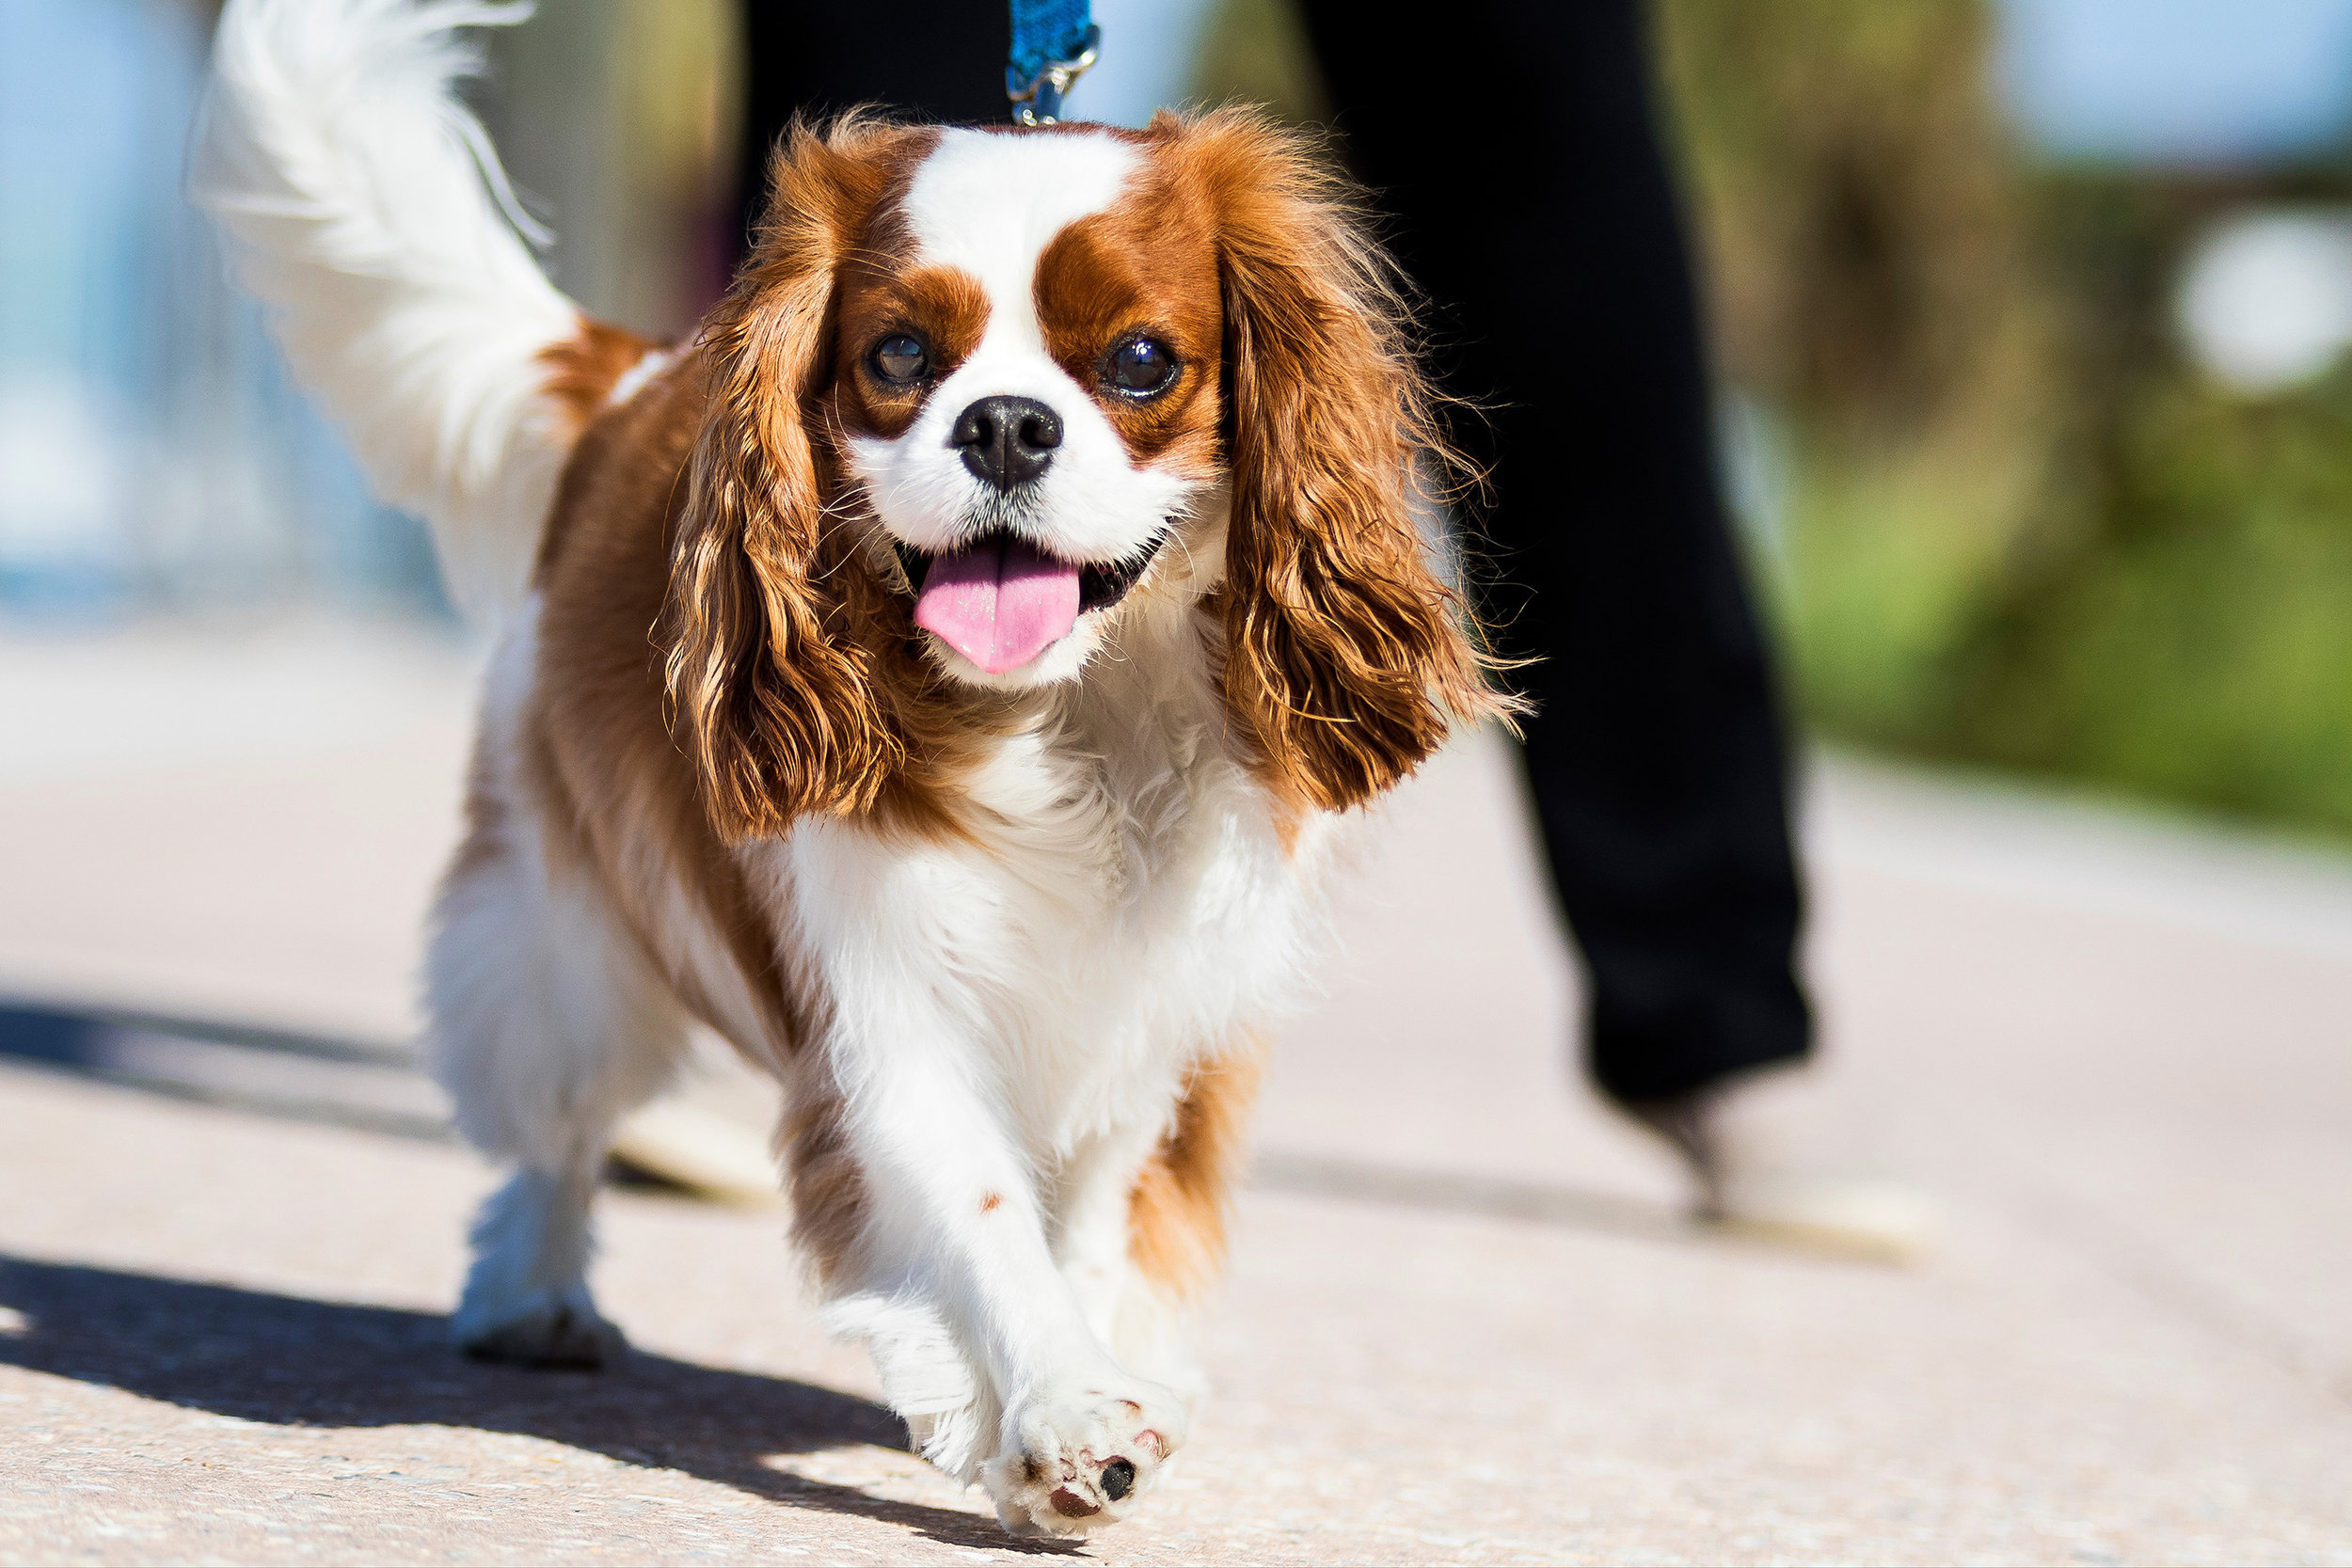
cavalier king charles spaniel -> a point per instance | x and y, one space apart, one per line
950 676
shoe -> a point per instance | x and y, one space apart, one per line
1751 1148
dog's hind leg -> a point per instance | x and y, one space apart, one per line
548 1025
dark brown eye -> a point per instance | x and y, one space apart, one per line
901 359
1140 366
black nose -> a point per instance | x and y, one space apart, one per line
1006 441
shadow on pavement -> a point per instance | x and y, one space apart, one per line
379 1088
76 1036
301 1363
1452 1193
373 1086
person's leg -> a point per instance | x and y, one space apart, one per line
1516 146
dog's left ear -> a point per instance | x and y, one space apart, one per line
1347 657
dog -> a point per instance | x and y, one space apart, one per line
952 677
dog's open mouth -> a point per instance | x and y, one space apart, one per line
1000 601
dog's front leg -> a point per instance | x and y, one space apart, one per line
980 1339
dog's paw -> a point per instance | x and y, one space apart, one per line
1073 1463
545 1328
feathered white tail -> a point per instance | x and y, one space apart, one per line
365 206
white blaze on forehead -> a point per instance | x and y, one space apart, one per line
990 202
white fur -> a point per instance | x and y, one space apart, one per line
547 1027
566 1025
638 376
363 204
989 205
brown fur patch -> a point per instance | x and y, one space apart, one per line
945 307
829 1198
598 747
1147 267
583 370
486 816
619 780
1176 1215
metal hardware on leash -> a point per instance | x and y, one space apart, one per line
1053 41
1040 104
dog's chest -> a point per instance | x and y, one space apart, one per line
1126 906
1141 868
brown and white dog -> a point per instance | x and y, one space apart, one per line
948 676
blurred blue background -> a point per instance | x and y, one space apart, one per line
153 453
2178 81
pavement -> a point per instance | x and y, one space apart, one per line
1465 1321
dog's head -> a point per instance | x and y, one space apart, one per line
982 401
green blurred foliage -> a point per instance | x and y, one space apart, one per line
1256 52
2021 529
2184 628
1868 247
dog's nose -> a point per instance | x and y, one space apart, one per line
1008 440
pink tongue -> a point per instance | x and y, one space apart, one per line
999 603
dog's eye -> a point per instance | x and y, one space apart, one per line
1140 366
901 359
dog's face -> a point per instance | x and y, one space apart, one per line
985 396
1026 363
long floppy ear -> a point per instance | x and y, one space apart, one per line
1347 657
771 692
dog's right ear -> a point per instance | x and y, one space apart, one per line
771 692
1347 657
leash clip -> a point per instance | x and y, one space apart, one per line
1040 102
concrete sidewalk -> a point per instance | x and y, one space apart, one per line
1465 1322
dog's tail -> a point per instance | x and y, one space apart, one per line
365 206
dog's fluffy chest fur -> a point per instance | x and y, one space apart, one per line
1124 902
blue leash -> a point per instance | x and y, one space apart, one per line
1053 44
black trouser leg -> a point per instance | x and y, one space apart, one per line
941 59
1513 140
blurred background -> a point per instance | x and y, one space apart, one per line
2030 313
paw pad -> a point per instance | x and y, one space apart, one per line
1118 1478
